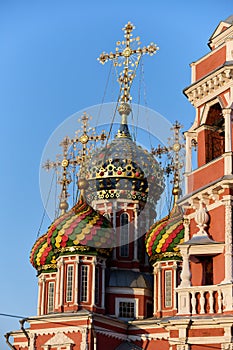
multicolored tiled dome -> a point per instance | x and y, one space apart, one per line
81 228
124 170
164 236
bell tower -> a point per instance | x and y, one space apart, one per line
205 288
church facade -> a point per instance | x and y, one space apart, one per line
105 283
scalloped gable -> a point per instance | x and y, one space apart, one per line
59 339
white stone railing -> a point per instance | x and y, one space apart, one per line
202 300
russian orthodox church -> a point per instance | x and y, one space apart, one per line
105 281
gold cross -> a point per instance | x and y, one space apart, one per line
73 158
65 179
174 154
128 56
84 139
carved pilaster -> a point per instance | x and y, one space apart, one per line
159 288
42 305
61 279
227 114
84 343
228 240
186 229
76 291
93 281
32 337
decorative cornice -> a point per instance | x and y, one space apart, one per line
209 191
204 87
59 339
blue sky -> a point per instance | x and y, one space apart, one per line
49 71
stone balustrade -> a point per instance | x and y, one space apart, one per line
201 300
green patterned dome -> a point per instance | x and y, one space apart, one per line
80 229
164 236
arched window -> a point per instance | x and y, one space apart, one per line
124 235
214 133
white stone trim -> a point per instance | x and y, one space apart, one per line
206 88
126 300
227 200
206 340
128 291
59 340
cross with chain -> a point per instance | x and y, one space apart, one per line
173 151
72 158
128 53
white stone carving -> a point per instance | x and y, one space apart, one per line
59 339
201 218
203 89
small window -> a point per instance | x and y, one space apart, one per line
51 297
69 283
124 235
84 282
127 309
168 288
97 285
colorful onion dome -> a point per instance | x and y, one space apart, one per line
164 236
81 225
124 170
42 254
80 229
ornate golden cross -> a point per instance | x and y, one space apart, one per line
84 138
73 158
174 154
129 57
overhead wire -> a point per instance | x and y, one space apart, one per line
46 204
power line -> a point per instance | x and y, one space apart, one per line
12 316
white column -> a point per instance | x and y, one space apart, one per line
61 286
103 286
42 311
159 288
228 239
174 281
155 287
57 284
76 291
228 141
93 282
136 233
39 296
